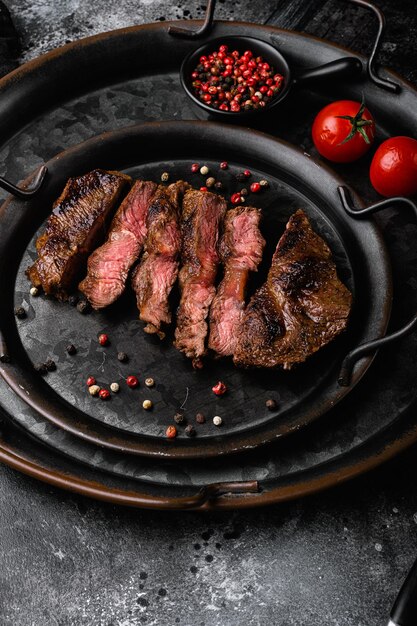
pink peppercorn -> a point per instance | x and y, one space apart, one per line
132 381
243 72
219 389
103 340
171 432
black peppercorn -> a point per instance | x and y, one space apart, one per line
71 349
83 306
271 404
218 185
240 177
179 418
190 431
41 368
5 358
20 312
244 192
73 300
200 419
122 357
50 365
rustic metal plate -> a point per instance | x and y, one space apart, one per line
304 394
363 431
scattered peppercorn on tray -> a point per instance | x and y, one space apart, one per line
103 448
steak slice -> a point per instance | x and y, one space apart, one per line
202 213
77 223
241 250
301 307
157 272
109 265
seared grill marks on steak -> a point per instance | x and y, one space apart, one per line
109 265
301 307
157 272
202 213
241 250
74 228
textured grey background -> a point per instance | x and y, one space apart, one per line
335 559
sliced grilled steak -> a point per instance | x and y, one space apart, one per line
241 250
301 307
202 213
109 265
157 272
76 225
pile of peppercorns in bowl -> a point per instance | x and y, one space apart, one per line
235 77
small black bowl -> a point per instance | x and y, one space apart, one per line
259 48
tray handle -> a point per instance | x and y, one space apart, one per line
26 194
352 63
364 349
385 83
212 491
188 33
349 66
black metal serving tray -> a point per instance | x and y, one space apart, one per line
358 434
302 395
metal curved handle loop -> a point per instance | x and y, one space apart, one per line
209 492
25 194
186 33
353 356
385 83
349 207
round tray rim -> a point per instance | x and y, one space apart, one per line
392 446
244 441
338 471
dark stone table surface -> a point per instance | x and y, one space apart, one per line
335 559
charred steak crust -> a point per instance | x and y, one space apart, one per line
202 213
301 307
109 265
241 248
77 223
157 271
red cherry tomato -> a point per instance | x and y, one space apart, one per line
394 167
343 131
